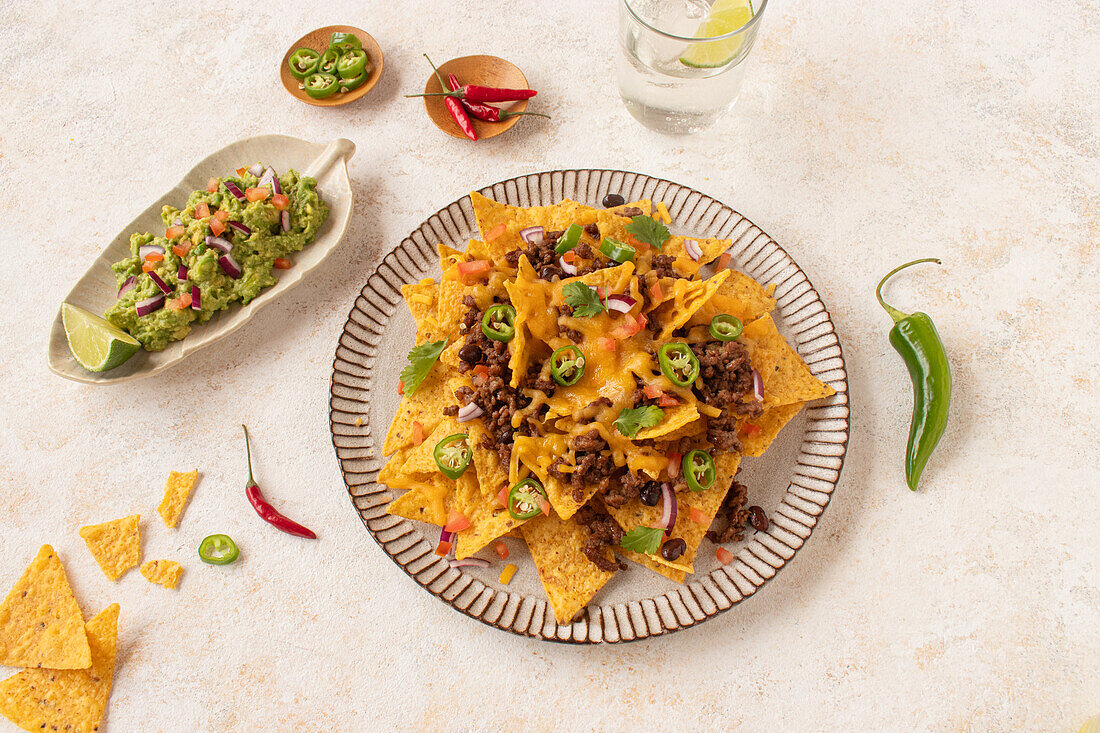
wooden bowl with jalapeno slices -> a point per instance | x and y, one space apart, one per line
346 47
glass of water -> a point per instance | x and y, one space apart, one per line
682 61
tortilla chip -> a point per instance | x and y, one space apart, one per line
421 299
739 296
177 490
425 407
115 545
569 578
786 377
769 424
537 454
40 621
70 699
682 262
682 298
673 574
676 418
162 572
488 519
491 475
422 502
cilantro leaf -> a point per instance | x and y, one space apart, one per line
646 540
583 300
421 359
633 419
649 230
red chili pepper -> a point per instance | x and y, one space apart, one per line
455 108
268 513
475 93
487 112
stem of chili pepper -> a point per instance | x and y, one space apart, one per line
896 314
455 108
268 513
486 112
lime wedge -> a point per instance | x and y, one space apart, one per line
724 17
96 344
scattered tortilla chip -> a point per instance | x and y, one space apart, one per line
162 572
115 545
66 699
177 490
569 578
40 621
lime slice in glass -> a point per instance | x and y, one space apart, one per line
96 344
725 16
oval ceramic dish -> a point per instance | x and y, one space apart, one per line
793 481
96 290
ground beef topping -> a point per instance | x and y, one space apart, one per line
662 265
627 488
603 532
732 516
630 212
725 379
541 256
592 466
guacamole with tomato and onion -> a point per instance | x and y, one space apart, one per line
219 249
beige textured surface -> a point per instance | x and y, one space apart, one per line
867 133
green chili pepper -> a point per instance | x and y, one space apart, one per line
218 549
570 239
346 85
327 63
616 250
914 336
351 64
698 468
499 322
567 365
679 363
523 499
350 39
452 455
321 85
725 327
303 62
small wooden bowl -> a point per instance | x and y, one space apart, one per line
318 41
486 71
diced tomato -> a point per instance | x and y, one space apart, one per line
502 549
154 257
656 295
724 556
667 400
542 504
601 292
475 268
569 257
481 371
282 263
202 210
750 429
279 201
147 266
642 320
178 304
638 246
674 465
652 391
179 250
628 326
216 226
495 232
212 185
502 495
699 516
443 549
456 521
417 433
173 232
401 388
724 260
242 171
607 344
257 194
221 215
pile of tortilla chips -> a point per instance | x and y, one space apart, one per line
618 352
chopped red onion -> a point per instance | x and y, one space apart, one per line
232 188
159 282
469 412
222 245
532 235
196 298
149 249
469 562
620 303
757 386
229 266
147 306
181 272
668 510
178 221
445 536
127 286
256 169
239 227
285 220
567 267
270 178
693 249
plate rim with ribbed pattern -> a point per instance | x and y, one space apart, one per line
813 477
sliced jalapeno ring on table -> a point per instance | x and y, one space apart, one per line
698 468
526 499
567 365
570 239
616 250
303 62
678 363
327 63
218 549
351 63
499 322
725 327
350 39
320 85
452 455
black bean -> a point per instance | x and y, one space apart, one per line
758 519
612 200
549 272
470 353
650 493
673 549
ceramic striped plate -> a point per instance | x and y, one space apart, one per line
793 481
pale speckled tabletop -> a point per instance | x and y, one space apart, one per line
868 133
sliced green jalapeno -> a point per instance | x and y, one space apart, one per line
303 62
570 239
346 85
452 455
321 85
218 549
499 322
567 365
526 499
698 468
351 63
725 327
616 250
327 63
679 363
349 39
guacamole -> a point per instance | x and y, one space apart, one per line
201 278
